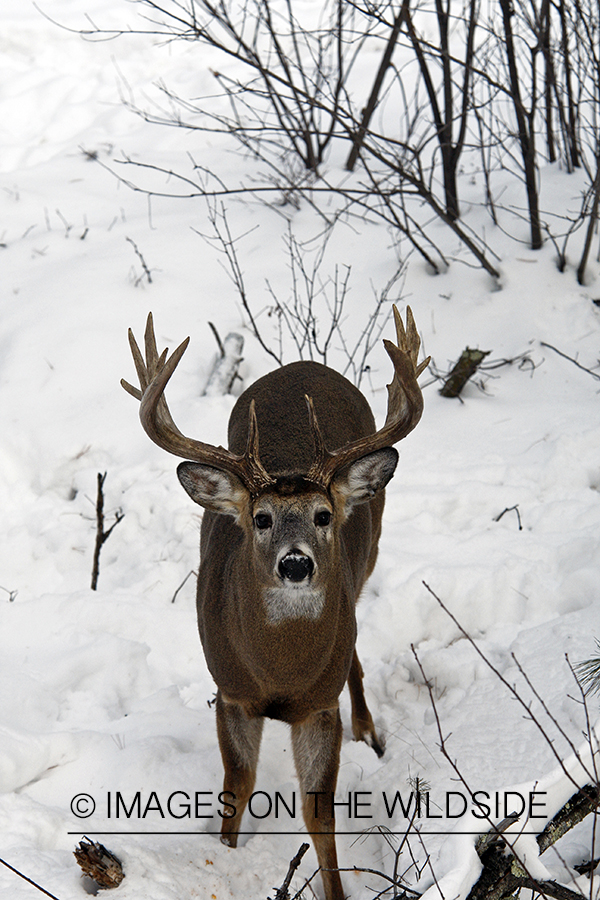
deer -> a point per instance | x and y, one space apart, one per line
289 535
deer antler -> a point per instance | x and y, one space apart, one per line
158 424
405 405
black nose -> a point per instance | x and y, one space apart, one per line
295 566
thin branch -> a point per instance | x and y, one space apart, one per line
503 872
25 878
101 535
512 690
514 509
138 253
174 597
217 337
570 358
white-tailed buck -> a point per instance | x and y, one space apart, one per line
288 539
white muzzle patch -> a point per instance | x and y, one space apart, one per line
290 602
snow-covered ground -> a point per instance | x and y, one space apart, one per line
106 692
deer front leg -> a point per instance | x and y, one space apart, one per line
316 743
239 740
363 728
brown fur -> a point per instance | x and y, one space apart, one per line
294 671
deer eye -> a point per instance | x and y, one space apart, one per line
263 521
322 518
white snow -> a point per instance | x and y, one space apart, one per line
105 692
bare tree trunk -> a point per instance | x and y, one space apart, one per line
376 89
549 79
525 127
445 132
571 133
592 225
444 123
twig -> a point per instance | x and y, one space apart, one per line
512 690
25 878
299 893
523 359
142 261
570 358
503 872
283 893
500 878
217 338
65 223
226 244
191 572
515 509
101 535
380 875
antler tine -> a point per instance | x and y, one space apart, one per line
408 339
405 406
150 346
256 474
155 416
146 371
321 453
139 367
154 374
135 392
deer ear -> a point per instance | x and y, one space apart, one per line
214 489
361 481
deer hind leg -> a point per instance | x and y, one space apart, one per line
316 744
239 740
363 728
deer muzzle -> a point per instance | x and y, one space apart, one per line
295 566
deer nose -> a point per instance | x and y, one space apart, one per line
296 566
